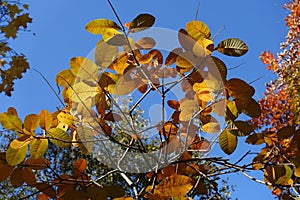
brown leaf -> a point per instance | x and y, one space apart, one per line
16 177
28 176
79 167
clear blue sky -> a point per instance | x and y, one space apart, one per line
59 35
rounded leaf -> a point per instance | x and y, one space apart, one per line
198 29
141 22
65 78
16 177
16 156
211 127
59 137
31 122
11 122
98 26
38 147
228 141
45 119
232 47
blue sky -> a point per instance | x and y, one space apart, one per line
59 35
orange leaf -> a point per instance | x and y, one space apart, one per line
79 166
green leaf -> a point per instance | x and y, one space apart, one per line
244 127
59 137
141 22
198 30
98 26
38 147
11 122
228 141
232 47
16 156
232 111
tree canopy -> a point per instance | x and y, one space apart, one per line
101 145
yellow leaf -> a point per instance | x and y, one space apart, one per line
211 127
45 119
198 30
98 26
84 68
16 156
31 122
203 47
188 109
65 119
59 137
65 78
21 142
228 141
120 63
104 54
38 147
175 185
11 122
123 87
82 91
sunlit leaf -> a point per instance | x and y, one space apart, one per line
104 54
16 156
38 147
82 91
12 111
123 87
188 109
228 141
211 127
98 26
198 30
175 185
59 137
45 119
141 22
260 160
232 111
21 142
65 78
84 68
171 58
232 47
203 47
31 122
173 104
11 122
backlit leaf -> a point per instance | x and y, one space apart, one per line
38 147
173 104
82 91
104 54
171 58
221 67
123 87
175 185
185 40
228 141
59 137
45 119
84 68
11 122
21 142
232 111
141 22
203 47
198 30
16 156
31 122
98 26
279 174
188 109
211 127
65 78
232 47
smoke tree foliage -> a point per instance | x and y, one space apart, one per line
95 119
